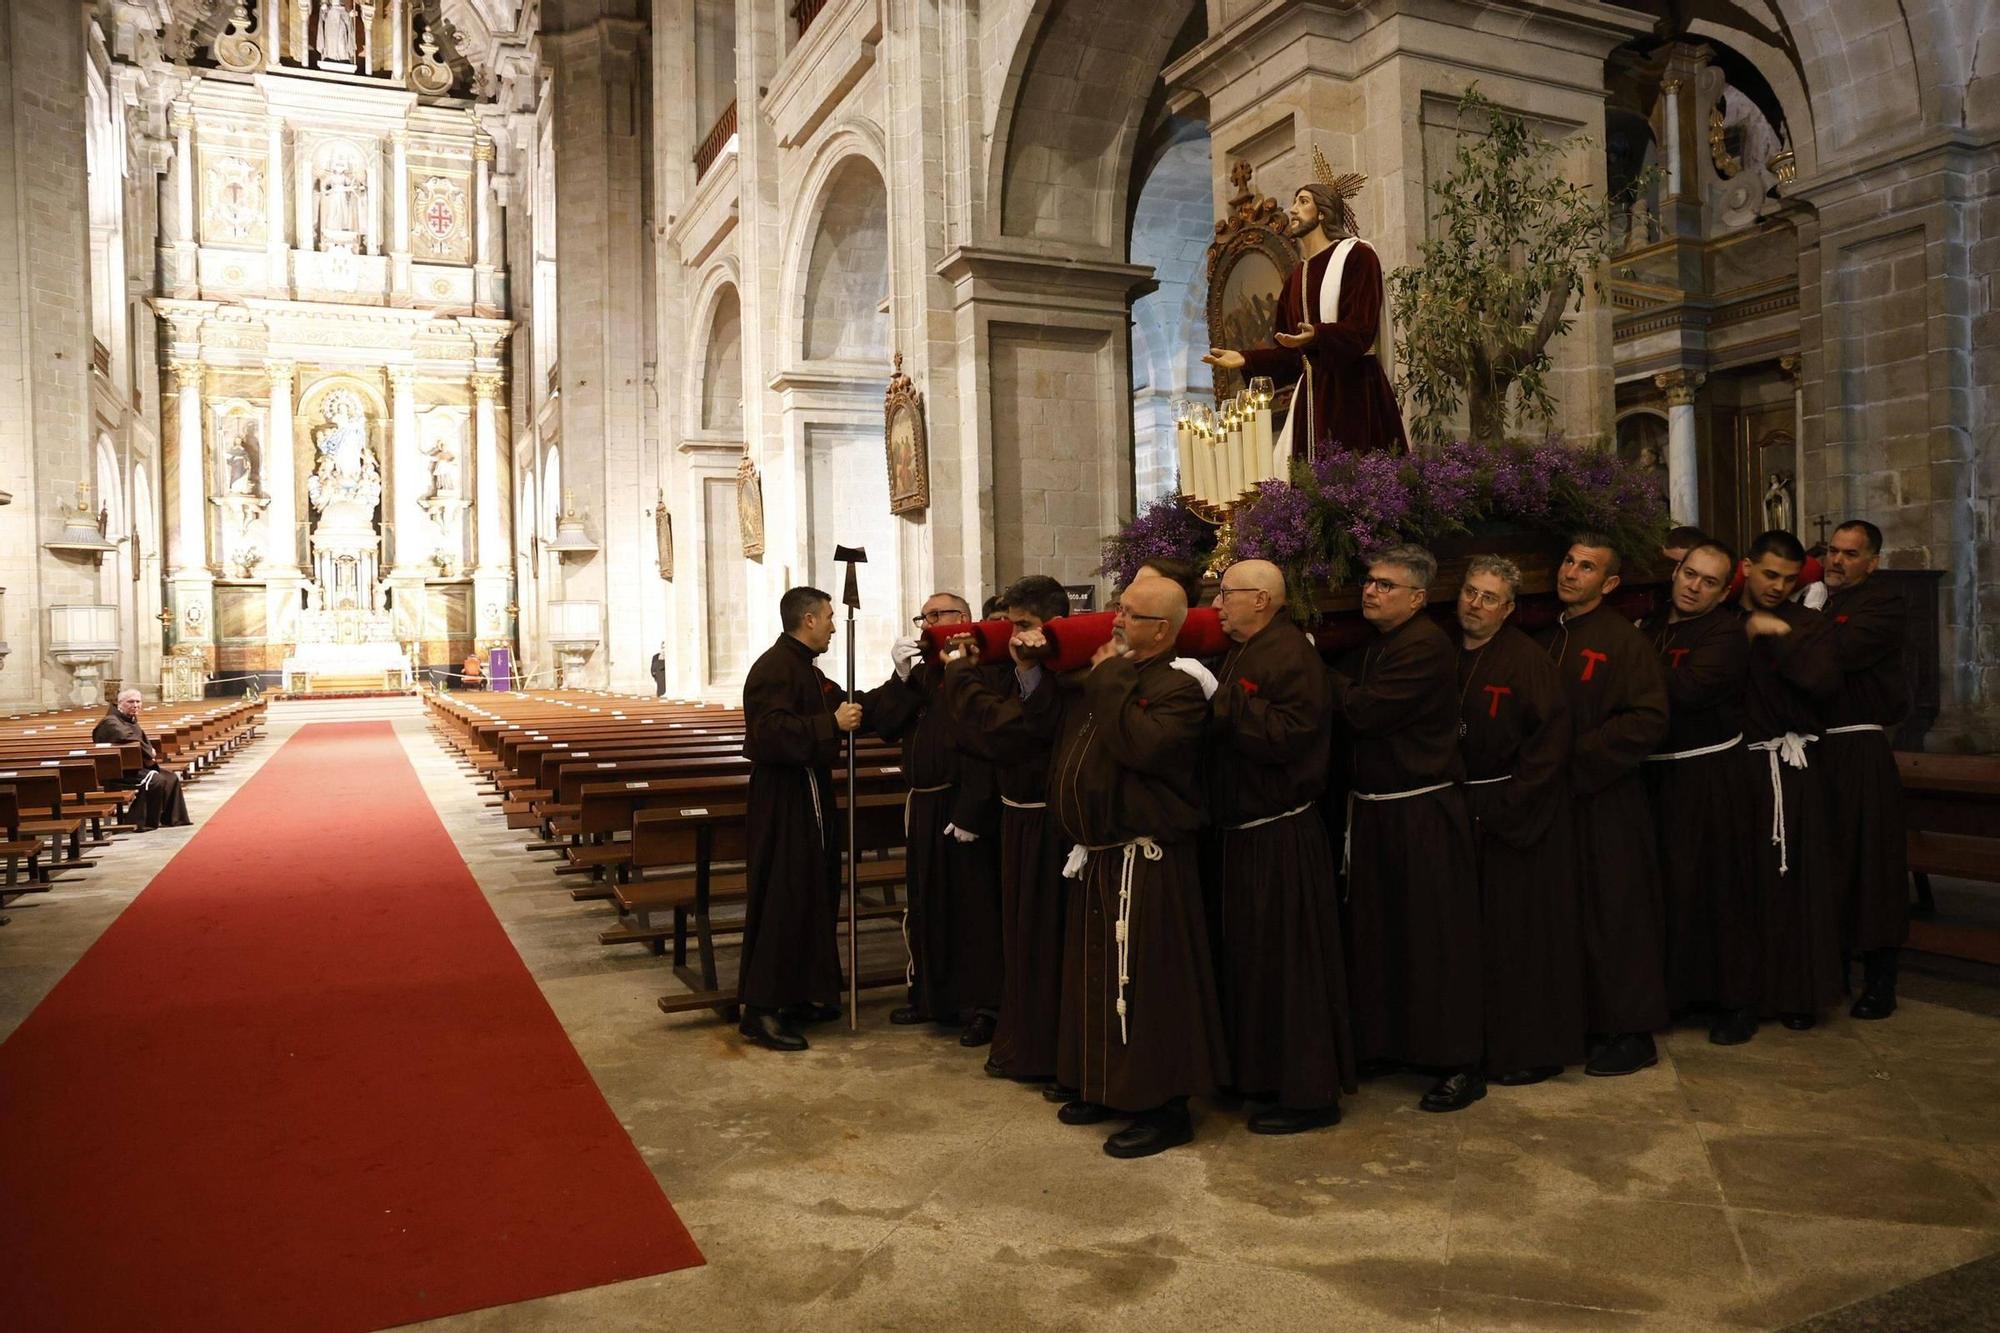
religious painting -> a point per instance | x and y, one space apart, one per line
1247 264
750 508
663 536
908 447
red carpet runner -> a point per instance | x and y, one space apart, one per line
305 1082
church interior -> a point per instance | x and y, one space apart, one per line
401 400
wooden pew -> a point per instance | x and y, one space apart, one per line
16 848
1951 813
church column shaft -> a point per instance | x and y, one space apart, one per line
282 553
184 173
399 231
408 467
1683 477
190 536
276 241
486 473
1672 89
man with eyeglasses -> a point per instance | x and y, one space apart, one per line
1793 681
1143 1031
1618 712
1868 619
1514 734
1702 800
1282 979
1412 892
953 923
991 705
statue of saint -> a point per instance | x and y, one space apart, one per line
346 471
240 458
444 470
1779 511
336 32
1328 319
340 208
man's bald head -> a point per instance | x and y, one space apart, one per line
1250 596
1151 612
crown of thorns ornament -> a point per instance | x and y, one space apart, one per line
1344 186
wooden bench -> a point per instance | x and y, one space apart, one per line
1951 811
16 848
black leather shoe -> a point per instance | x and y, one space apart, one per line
1085 1113
1293 1120
1521 1078
1626 1054
1733 1027
810 1012
1453 1092
978 1032
1058 1094
771 1032
1156 1131
1878 1001
1798 1022
907 1016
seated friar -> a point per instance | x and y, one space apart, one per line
157 798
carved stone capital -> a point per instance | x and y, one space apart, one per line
1790 365
1679 385
482 149
187 373
181 118
281 370
486 384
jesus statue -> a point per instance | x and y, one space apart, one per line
1326 322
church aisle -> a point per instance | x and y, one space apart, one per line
305 1081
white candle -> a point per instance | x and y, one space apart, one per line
1184 456
1267 462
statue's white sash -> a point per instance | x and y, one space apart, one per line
1329 313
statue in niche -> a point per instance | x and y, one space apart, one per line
444 470
1779 511
346 471
337 45
240 458
340 208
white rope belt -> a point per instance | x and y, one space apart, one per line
1853 727
1699 751
1788 749
1487 782
1347 835
910 796
1079 857
1024 805
1267 819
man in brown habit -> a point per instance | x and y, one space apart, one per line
990 707
793 719
1702 800
1138 990
953 926
1792 681
1283 978
157 798
1514 733
1866 618
1412 892
1618 709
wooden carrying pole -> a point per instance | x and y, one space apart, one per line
851 597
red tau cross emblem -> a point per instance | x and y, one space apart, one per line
1591 657
1494 694
1676 654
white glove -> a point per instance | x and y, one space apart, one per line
1196 672
960 834
1814 596
906 654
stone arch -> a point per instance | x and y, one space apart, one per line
109 486
1172 224
839 284
1072 110
716 397
145 519
551 492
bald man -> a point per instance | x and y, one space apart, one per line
1143 1028
157 799
953 926
1283 982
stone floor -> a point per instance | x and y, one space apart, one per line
880 1181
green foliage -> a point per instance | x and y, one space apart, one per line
1513 243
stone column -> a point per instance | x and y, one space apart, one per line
492 560
183 123
406 470
399 226
277 243
1683 474
482 220
280 520
1791 366
189 548
1671 91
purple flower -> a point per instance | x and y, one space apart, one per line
1163 530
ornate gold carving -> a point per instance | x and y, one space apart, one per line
907 444
486 384
1679 385
750 508
1254 230
187 374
